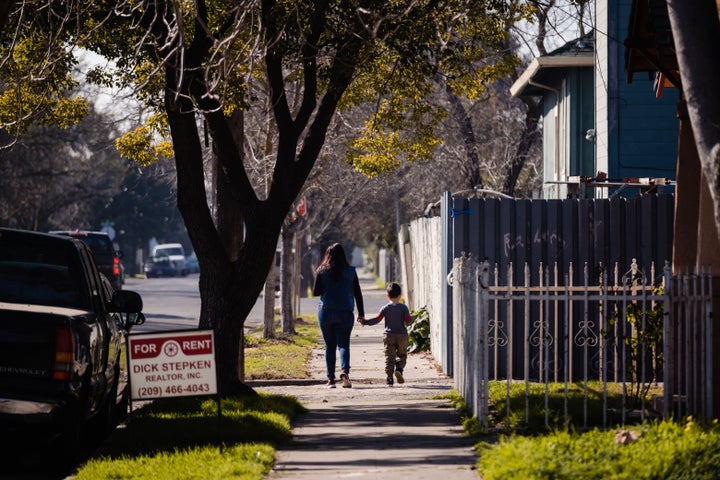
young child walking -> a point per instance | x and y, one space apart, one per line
395 337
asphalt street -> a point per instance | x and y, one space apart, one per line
174 303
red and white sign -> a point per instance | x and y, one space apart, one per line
172 364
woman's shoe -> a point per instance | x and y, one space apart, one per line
345 380
330 384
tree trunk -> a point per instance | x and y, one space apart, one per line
471 165
232 276
529 136
228 294
269 304
287 281
227 210
696 32
228 287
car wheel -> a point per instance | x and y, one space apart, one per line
121 409
101 425
107 419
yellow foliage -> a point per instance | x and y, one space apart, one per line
375 153
19 109
67 111
378 150
147 143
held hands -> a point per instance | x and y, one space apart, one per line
361 321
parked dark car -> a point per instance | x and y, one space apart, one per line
62 331
160 266
106 258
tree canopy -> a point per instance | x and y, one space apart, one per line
37 46
197 65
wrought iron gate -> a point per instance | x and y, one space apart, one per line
617 326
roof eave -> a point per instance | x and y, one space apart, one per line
545 62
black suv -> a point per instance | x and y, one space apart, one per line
106 258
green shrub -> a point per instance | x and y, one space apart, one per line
419 331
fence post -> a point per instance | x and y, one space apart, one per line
709 344
463 279
483 344
446 300
668 341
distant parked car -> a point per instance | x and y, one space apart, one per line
104 254
191 264
159 266
176 254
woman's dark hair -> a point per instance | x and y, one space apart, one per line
334 261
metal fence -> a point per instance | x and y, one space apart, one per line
515 232
616 328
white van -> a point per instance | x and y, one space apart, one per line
176 254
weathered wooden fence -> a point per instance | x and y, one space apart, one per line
424 276
512 233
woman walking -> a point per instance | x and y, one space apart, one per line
337 284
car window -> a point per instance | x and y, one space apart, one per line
40 275
98 245
107 289
169 251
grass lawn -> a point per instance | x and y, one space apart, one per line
662 450
656 449
184 439
178 439
282 357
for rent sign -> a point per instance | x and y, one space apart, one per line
172 364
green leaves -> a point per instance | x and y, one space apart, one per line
416 52
37 88
147 143
419 331
378 151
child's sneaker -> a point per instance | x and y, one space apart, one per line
345 380
330 384
389 382
399 376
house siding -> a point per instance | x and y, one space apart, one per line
550 168
644 128
582 150
566 152
602 88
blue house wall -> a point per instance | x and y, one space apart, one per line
643 130
593 119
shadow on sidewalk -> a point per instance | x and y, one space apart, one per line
379 441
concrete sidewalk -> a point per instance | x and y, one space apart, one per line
372 431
